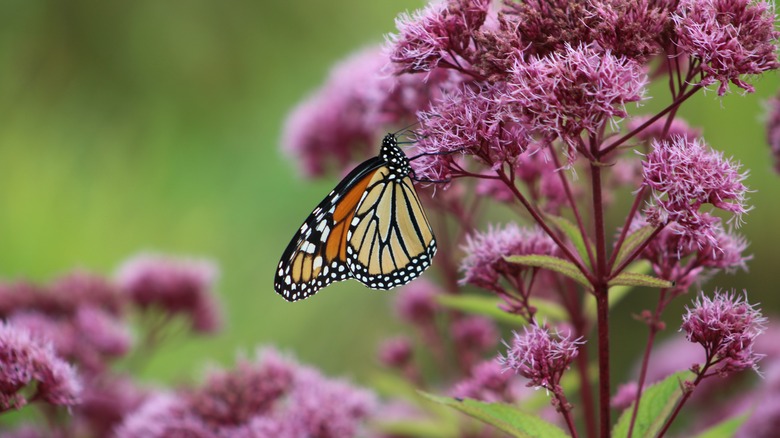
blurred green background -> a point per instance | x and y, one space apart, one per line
155 125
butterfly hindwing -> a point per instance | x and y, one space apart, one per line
390 242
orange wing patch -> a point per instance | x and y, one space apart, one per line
336 246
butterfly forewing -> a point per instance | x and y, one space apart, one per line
316 255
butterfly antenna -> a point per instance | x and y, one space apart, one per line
433 154
405 128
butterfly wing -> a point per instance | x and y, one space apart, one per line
389 242
317 254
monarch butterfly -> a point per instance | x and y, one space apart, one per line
371 227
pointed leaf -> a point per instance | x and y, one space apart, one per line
572 231
636 279
632 241
724 429
556 264
657 403
489 306
418 428
503 416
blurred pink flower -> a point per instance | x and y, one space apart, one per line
176 286
26 361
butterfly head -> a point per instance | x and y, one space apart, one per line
395 158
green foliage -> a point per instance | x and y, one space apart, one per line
724 429
656 405
575 236
632 241
488 306
504 417
637 279
556 264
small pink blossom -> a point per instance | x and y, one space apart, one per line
731 38
438 34
177 286
395 352
270 397
573 92
416 303
488 382
773 130
684 175
484 263
541 356
475 333
26 361
472 121
726 326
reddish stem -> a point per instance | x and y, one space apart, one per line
538 219
686 395
626 225
602 306
654 327
573 202
677 102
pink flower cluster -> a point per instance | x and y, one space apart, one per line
174 286
684 175
485 264
727 327
27 362
541 356
730 38
271 396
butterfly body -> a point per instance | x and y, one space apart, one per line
371 227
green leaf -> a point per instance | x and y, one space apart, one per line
657 403
417 428
617 293
637 279
632 241
572 231
503 416
552 263
488 306
724 429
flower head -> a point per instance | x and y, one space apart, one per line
484 263
416 303
177 286
726 326
730 37
684 175
473 121
270 397
488 382
636 29
773 130
395 352
330 125
436 34
574 91
24 361
541 356
475 333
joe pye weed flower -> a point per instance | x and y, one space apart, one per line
553 194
